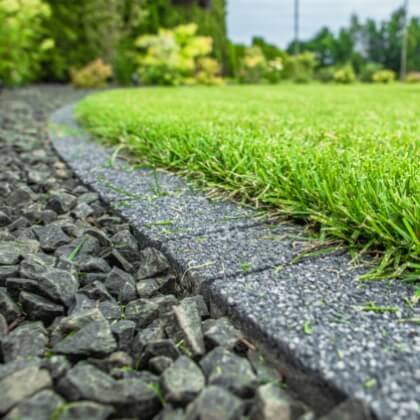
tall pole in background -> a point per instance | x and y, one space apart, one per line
404 43
297 27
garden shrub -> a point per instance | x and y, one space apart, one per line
23 40
345 75
325 74
211 22
384 76
253 66
84 30
274 71
413 77
367 72
94 75
171 57
208 72
300 68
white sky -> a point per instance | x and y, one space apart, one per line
273 19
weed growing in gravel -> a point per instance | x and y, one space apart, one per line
344 159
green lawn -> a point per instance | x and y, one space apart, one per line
346 158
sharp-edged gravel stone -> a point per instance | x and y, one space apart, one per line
148 288
230 371
170 413
142 312
96 291
22 384
7 271
159 364
222 333
9 254
3 327
154 332
189 320
56 365
272 403
95 339
152 263
110 310
162 347
42 405
39 308
117 280
215 403
8 307
51 237
124 333
26 341
265 372
95 265
4 219
58 285
182 381
126 245
61 202
85 382
84 410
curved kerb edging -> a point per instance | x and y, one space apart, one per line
311 316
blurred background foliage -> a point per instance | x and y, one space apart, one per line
49 40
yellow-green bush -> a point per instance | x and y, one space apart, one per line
172 57
413 77
256 68
23 41
253 66
208 72
345 75
384 76
300 68
94 75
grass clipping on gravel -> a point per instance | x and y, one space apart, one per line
346 158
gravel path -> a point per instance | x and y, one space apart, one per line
90 326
